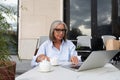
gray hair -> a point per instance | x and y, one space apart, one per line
53 26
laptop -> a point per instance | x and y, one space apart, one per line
96 59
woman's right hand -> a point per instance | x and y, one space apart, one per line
42 57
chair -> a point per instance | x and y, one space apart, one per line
84 41
108 42
39 42
84 46
105 38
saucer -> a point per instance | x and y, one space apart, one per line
55 64
45 70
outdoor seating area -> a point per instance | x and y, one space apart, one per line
83 50
60 40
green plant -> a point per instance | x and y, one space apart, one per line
78 48
7 67
5 38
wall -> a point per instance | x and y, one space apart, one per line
35 17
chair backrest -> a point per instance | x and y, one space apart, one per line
107 37
84 41
40 41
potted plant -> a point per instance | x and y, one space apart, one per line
7 67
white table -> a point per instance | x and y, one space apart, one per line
108 72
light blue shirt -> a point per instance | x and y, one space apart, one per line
67 49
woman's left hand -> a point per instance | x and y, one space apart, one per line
74 60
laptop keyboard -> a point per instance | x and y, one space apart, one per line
75 66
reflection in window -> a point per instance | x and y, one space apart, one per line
118 29
119 8
104 17
119 12
80 18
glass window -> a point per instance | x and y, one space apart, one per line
104 17
119 12
119 8
80 18
12 5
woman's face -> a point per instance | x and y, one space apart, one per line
59 32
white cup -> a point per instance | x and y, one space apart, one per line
54 61
44 66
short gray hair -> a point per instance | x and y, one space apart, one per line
53 26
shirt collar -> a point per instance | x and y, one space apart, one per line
51 43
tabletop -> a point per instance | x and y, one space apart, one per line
108 72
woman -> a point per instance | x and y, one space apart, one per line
57 45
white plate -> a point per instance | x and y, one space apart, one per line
45 70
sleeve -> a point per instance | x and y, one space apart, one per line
41 50
73 51
33 62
